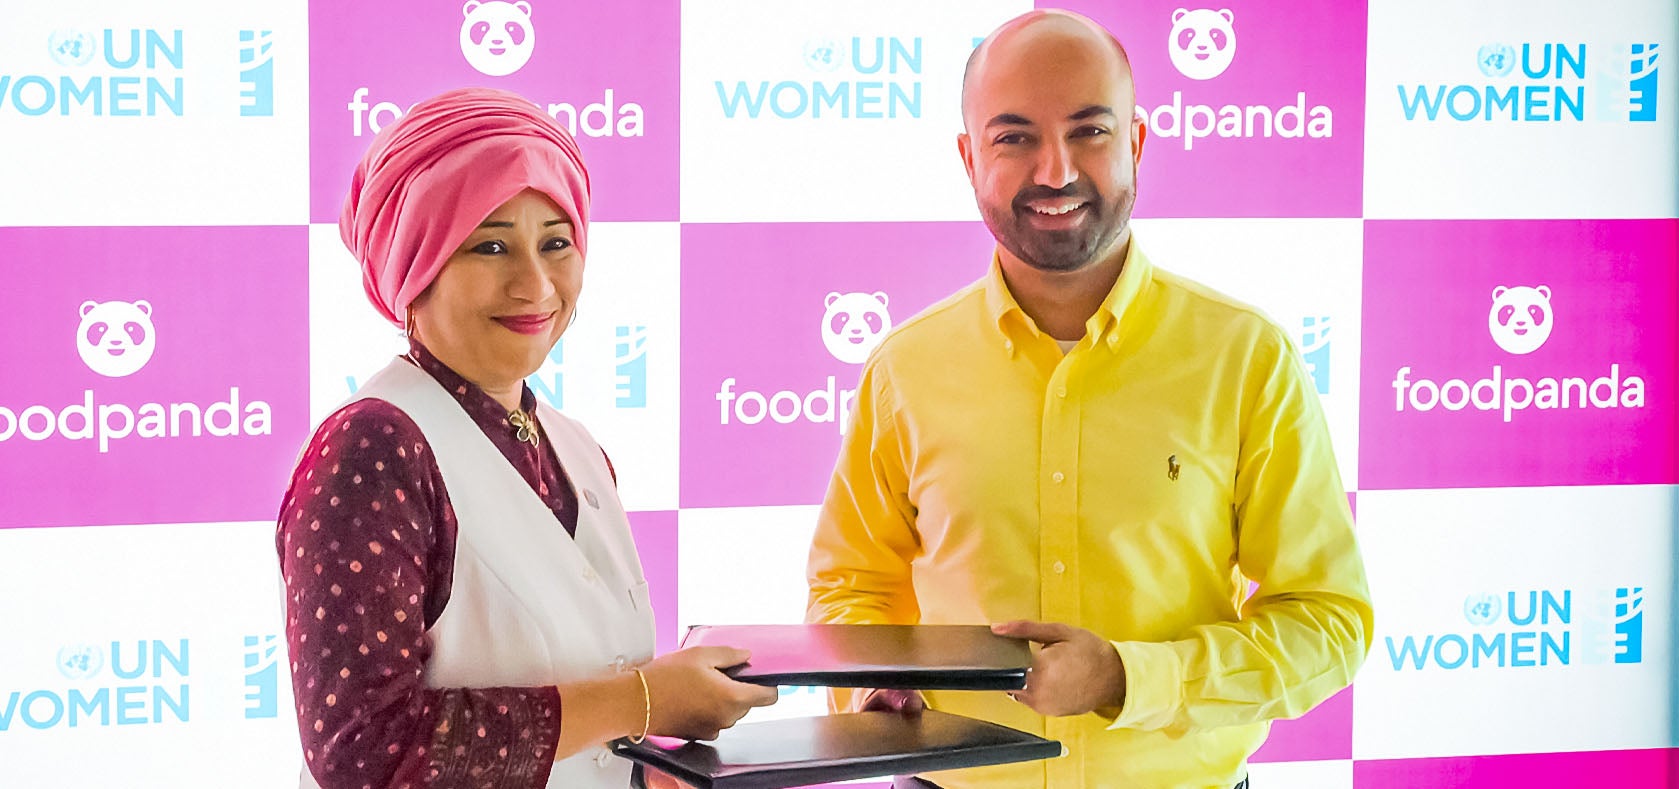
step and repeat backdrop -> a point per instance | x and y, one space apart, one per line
1465 213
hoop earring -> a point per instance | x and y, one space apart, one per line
408 324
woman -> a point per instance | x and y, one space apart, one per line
464 602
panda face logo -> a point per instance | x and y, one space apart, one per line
116 338
854 324
1203 42
497 37
1521 318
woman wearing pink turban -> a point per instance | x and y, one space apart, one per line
465 606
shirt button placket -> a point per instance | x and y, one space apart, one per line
1058 520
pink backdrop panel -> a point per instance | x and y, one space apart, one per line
1215 80
655 543
98 402
1649 768
614 65
764 394
1468 325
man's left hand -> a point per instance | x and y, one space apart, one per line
1075 672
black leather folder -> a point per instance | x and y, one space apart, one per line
804 751
910 657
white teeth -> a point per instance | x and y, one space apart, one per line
1058 211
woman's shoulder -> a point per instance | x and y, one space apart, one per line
362 450
368 418
369 436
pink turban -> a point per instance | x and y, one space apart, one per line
433 176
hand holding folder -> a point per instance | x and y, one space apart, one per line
869 744
910 657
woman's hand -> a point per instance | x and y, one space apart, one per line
657 779
692 698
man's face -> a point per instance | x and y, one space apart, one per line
1051 149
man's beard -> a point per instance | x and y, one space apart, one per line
1059 250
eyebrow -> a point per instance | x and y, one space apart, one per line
1011 119
1007 119
509 225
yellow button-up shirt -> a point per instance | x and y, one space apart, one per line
1132 486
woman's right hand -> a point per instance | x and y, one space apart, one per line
691 698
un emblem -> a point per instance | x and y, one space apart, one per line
70 47
80 661
1495 60
823 54
1482 609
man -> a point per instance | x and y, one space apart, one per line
1097 455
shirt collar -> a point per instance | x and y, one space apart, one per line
1013 321
483 408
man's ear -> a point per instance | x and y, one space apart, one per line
965 146
1139 134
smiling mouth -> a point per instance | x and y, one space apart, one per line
526 324
1056 215
1203 55
1060 210
116 351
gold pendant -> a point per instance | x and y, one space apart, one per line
523 428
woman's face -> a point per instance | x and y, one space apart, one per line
506 295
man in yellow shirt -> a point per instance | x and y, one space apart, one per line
1097 455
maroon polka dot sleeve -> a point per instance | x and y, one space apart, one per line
367 542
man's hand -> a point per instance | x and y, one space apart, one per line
1075 672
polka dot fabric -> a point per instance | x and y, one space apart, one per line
367 544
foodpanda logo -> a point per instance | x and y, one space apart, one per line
853 325
1203 42
116 338
497 37
1520 320
1202 46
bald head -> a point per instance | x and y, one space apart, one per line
1051 143
1036 39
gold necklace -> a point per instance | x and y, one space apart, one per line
524 428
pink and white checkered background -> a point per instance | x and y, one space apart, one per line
1465 212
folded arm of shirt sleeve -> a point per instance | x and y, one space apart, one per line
859 568
1305 631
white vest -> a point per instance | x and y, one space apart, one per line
529 605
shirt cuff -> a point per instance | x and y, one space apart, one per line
1153 685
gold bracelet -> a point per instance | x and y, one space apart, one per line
646 707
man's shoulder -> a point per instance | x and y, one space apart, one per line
1194 300
931 328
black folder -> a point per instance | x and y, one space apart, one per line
910 657
803 751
